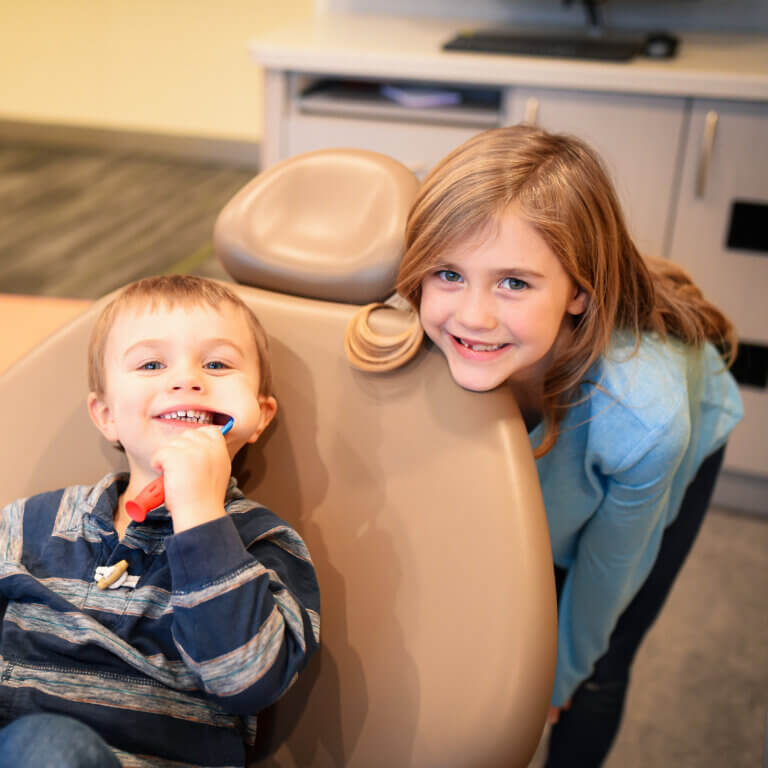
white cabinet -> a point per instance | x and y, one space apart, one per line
417 147
638 138
726 163
321 112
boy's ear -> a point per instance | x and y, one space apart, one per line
101 416
578 303
268 407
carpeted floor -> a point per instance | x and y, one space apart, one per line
81 223
699 691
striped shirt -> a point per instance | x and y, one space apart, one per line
172 670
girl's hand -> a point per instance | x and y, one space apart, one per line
196 469
554 712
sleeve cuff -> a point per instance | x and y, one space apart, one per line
205 553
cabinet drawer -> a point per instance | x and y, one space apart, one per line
417 146
637 138
726 161
746 446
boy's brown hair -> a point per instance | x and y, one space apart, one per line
170 291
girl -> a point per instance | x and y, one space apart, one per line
520 265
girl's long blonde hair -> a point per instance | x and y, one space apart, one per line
563 191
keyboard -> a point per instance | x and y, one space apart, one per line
572 47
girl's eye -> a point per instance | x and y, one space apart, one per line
216 365
449 276
152 365
513 284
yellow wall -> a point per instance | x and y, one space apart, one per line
167 66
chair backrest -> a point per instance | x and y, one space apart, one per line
420 504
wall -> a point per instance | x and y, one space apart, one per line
165 66
181 67
749 16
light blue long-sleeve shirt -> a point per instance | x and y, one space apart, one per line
616 477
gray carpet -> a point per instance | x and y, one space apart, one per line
80 223
699 691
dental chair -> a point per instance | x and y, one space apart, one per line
419 501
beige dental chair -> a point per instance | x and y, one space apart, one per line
419 501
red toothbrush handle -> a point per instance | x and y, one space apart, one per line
153 495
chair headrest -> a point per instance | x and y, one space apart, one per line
328 224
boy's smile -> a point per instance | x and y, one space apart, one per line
169 370
185 417
496 305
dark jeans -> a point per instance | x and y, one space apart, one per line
53 741
584 733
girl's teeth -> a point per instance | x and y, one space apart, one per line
481 347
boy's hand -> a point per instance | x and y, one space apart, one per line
196 469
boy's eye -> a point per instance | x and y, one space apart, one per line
151 365
216 365
449 275
513 284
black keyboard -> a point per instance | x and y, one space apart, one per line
600 48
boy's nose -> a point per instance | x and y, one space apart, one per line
476 310
190 385
187 378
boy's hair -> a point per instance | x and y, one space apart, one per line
560 187
170 291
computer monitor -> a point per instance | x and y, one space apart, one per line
592 41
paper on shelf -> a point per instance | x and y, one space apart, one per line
420 98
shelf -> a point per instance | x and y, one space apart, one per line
475 107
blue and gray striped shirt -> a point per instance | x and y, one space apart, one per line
172 670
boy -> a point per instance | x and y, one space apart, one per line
219 610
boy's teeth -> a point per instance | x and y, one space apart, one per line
197 417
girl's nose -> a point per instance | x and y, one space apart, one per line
477 310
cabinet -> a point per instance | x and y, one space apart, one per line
725 163
349 112
637 136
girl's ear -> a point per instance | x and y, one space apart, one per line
268 406
101 416
578 303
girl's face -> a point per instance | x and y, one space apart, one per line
498 304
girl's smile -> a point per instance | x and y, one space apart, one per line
496 306
471 349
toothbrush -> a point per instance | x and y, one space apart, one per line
153 494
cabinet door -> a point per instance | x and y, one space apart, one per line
417 146
726 163
638 138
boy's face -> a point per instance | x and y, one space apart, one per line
168 370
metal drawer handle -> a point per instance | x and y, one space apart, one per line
531 111
705 161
